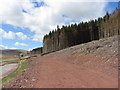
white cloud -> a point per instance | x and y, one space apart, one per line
12 48
41 20
22 36
20 44
37 37
6 47
79 9
30 49
3 47
13 35
7 35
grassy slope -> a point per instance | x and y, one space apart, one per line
22 67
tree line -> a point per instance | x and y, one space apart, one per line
83 32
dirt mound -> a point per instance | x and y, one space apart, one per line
89 65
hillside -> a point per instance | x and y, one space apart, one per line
89 65
76 34
11 53
83 32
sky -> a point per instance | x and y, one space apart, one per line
23 23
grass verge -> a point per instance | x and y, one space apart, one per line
22 67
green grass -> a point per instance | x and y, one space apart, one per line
22 67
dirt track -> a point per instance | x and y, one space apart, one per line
51 73
70 69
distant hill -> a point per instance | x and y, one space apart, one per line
11 53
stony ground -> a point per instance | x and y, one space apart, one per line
89 65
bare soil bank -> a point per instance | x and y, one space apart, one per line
89 65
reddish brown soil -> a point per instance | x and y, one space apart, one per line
66 70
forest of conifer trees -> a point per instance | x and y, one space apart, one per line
83 32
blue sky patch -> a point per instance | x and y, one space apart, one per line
39 4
